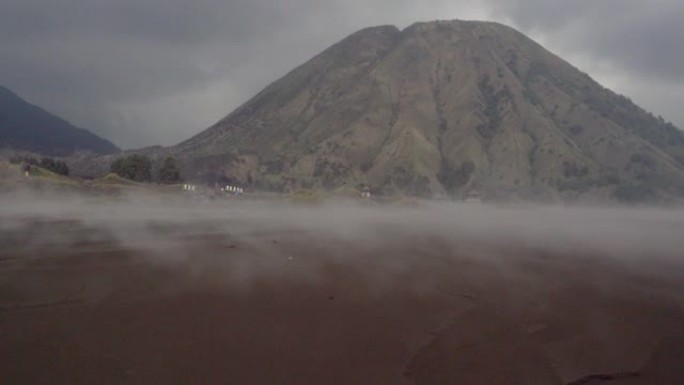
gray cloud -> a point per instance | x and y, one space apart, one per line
642 37
144 72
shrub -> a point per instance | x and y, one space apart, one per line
454 177
634 193
56 166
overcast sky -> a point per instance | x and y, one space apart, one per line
144 72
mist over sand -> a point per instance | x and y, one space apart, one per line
136 219
341 292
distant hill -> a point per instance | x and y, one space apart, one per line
440 109
26 127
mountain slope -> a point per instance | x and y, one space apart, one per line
439 109
24 126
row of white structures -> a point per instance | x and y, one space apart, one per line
232 189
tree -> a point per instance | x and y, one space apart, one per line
169 173
133 167
56 166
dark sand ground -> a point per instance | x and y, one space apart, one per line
337 297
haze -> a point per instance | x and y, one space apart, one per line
134 220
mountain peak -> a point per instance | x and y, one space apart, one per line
438 108
24 126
